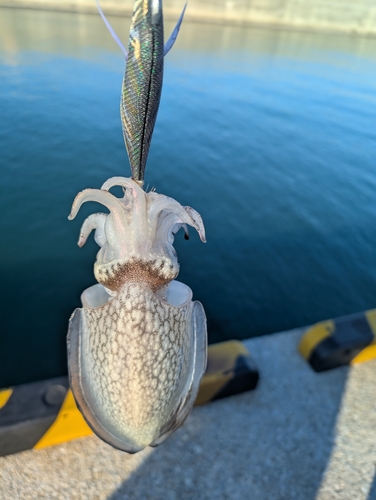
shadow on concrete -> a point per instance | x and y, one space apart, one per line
273 443
372 491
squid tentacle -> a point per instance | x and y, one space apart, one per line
198 222
103 197
187 215
124 182
94 221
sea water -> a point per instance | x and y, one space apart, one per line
270 135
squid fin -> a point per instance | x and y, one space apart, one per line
77 383
198 332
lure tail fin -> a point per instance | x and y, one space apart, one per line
111 30
169 44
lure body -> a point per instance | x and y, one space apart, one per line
137 348
142 83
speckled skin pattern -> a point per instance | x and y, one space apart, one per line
133 348
137 344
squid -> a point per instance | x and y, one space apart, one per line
137 348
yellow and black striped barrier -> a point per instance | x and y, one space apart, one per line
44 413
342 341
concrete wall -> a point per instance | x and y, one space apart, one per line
352 16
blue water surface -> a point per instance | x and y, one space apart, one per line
270 135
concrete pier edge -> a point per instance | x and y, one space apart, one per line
299 435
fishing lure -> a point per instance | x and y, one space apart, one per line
137 347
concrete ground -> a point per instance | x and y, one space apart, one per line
299 435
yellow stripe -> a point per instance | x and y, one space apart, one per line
4 396
370 351
222 358
211 385
366 355
314 336
69 424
